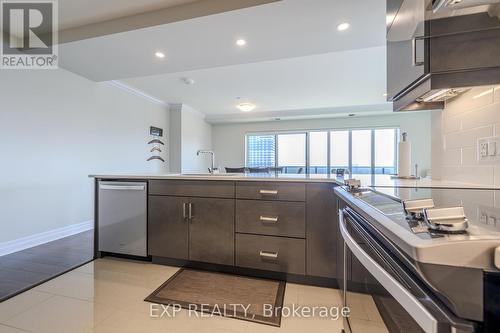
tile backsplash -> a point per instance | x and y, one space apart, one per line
456 130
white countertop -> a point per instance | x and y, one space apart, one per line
224 176
366 179
387 181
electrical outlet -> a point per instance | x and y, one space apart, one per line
489 216
483 149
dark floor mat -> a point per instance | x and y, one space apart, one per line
217 293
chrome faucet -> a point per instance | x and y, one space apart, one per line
212 159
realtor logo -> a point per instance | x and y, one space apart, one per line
29 34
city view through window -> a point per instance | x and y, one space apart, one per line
358 151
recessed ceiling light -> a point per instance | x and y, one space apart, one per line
385 94
241 42
343 26
246 107
160 55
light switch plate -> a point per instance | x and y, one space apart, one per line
488 150
492 151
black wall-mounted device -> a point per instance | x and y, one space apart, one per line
155 131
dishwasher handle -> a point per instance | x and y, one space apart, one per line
122 187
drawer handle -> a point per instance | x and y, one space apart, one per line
269 219
269 255
268 192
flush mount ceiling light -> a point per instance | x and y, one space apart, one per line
160 55
343 26
246 107
241 42
188 81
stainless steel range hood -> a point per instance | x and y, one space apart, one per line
437 49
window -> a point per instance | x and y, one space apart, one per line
318 152
261 151
362 151
385 150
292 152
339 149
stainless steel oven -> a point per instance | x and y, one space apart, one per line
381 291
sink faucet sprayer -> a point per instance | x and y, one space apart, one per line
212 159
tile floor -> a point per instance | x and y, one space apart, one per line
107 295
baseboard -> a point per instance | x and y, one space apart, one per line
44 237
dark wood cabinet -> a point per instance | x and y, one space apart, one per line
407 45
274 218
168 227
211 230
322 230
192 188
431 49
197 229
286 227
280 191
279 254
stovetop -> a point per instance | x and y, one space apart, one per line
479 207
473 248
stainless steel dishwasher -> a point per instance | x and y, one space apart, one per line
122 217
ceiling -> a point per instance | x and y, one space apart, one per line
76 13
313 83
284 29
295 63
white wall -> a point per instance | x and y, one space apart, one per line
56 128
457 128
175 136
229 139
196 135
189 133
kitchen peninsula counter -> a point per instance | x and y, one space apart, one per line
367 180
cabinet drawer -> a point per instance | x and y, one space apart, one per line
271 218
194 188
271 253
271 191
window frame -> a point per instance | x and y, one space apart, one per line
328 132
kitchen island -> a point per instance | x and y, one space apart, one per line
279 226
273 225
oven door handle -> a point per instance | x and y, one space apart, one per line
419 313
